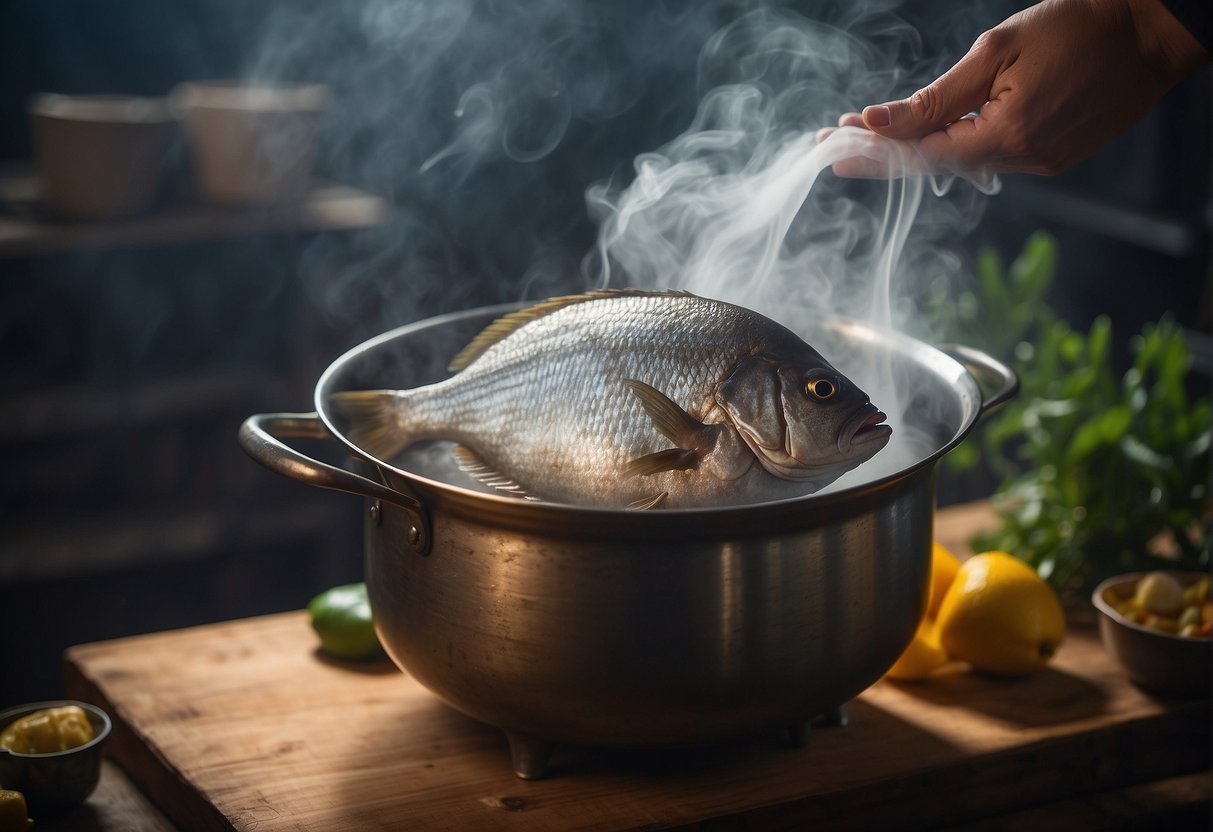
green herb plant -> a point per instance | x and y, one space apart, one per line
1100 473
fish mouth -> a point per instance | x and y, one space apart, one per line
866 426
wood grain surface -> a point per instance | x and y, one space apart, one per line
245 726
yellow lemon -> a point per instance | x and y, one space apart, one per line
923 655
1000 616
944 566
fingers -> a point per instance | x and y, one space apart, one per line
938 113
967 147
858 153
960 90
861 168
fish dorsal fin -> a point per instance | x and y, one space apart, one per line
473 464
508 324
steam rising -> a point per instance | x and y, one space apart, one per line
484 123
741 206
482 120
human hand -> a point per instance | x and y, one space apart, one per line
1039 92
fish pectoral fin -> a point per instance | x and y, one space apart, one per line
473 464
671 459
648 502
374 424
668 417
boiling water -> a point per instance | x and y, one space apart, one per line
909 444
924 416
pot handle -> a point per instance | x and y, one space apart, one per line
261 436
983 367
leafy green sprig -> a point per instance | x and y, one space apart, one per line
1101 473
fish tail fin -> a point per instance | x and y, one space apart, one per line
374 421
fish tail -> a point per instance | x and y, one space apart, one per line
373 418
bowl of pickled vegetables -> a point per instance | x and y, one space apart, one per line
50 752
1157 625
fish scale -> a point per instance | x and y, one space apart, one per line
546 402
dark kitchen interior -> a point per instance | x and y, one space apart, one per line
126 368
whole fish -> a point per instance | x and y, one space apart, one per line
630 398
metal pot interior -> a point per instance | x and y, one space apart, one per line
931 400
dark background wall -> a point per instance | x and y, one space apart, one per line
127 507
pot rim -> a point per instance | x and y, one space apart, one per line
499 506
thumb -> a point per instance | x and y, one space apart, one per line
959 91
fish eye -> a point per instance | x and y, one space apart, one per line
820 388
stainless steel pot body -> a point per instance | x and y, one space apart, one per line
622 628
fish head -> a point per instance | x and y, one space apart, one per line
803 419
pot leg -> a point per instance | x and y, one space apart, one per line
835 716
529 755
798 733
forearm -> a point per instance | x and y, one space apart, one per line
1167 44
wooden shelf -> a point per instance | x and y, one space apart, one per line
70 410
28 230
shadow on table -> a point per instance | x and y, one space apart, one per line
1048 697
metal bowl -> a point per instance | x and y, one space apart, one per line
1157 661
61 779
603 627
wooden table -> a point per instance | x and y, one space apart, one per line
242 725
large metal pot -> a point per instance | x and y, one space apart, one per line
622 628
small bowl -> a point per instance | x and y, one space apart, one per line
1157 661
250 144
100 157
57 780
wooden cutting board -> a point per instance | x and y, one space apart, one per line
244 726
